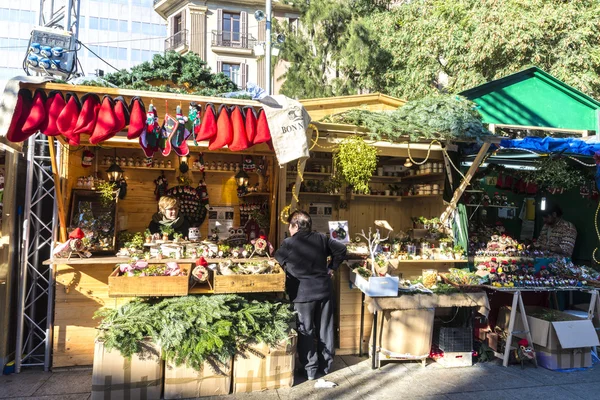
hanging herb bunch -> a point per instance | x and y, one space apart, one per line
555 174
356 161
107 193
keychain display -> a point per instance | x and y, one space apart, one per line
192 202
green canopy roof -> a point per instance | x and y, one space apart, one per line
533 97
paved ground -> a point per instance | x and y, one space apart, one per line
356 380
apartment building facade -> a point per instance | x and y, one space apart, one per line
122 32
225 34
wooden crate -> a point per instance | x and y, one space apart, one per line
257 283
149 285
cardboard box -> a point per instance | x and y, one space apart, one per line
116 377
182 382
263 367
376 286
492 341
405 334
580 357
558 344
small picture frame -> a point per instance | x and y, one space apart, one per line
338 230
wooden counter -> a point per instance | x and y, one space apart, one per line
81 290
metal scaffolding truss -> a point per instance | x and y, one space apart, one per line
36 281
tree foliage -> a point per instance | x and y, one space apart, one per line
475 41
189 72
417 47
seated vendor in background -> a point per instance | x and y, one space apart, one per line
168 215
557 236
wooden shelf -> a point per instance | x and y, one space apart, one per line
152 169
421 196
375 197
294 173
386 178
122 260
215 171
423 176
316 194
256 194
489 206
473 191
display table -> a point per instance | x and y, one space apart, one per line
81 289
420 301
519 307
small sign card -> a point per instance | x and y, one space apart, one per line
339 231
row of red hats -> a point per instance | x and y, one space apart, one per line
235 127
55 114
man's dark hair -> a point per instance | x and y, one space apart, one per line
553 209
302 220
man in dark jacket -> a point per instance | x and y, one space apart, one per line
304 258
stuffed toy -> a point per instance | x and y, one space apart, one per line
87 158
497 199
523 353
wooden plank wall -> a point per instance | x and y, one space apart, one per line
80 292
136 209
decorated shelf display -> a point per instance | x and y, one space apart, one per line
142 268
520 274
76 244
485 241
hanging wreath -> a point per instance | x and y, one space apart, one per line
356 161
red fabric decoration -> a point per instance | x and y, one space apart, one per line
263 134
87 158
208 127
77 233
201 261
532 188
240 138
106 122
90 105
37 114
500 181
137 118
224 135
68 116
121 114
24 102
54 105
250 124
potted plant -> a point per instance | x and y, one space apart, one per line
458 252
148 236
177 237
445 243
166 231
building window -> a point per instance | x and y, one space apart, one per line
231 27
177 23
232 71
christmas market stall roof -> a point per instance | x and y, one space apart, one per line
319 108
534 98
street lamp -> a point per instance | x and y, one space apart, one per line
114 172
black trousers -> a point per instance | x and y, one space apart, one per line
315 321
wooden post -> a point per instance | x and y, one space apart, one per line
58 192
465 182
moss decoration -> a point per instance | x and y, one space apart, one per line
356 161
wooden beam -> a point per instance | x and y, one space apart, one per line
58 192
465 182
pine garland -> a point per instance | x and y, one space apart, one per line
195 329
432 117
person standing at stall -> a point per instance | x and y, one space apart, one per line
304 257
168 216
557 235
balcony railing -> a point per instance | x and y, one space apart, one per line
234 40
177 40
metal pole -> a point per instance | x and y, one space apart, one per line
78 9
68 9
25 258
268 89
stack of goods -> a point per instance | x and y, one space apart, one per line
522 273
142 268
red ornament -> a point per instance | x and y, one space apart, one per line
77 233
